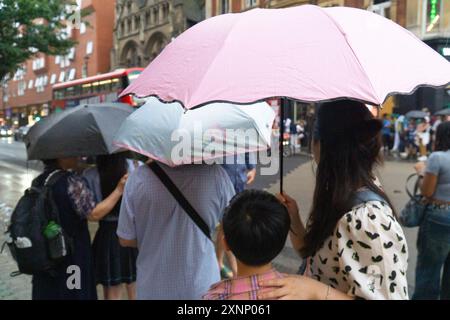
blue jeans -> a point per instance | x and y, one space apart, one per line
433 261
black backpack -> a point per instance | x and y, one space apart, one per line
33 252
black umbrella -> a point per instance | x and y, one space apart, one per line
86 130
416 114
443 112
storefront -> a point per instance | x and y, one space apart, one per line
26 115
434 99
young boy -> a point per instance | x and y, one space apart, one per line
255 228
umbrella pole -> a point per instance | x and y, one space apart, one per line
281 146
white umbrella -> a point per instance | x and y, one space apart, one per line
173 135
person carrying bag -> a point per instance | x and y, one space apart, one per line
414 211
433 241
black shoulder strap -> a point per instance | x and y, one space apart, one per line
50 181
182 201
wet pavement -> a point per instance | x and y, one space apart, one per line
16 175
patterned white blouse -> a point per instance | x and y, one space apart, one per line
366 256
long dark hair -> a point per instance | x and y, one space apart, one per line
350 144
442 137
111 168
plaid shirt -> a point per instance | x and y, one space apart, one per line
242 288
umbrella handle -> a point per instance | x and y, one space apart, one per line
283 104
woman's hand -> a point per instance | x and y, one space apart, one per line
420 168
121 185
106 206
290 204
300 288
251 175
297 228
294 288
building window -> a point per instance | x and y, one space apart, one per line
40 84
53 79
19 74
38 63
383 8
71 74
84 71
148 18
225 6
137 23
82 28
250 3
71 54
165 11
130 26
89 47
62 76
155 15
65 61
21 88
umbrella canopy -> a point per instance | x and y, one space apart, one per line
415 114
306 53
174 136
443 112
86 130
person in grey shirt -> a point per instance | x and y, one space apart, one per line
433 243
175 260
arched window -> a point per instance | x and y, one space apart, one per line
165 11
147 18
137 22
155 15
130 23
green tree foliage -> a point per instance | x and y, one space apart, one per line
21 37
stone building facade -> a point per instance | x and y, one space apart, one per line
144 27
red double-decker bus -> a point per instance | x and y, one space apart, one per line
96 89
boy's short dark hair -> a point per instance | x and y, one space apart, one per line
255 226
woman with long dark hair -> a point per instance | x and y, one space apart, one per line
433 243
354 245
114 265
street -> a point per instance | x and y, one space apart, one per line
16 175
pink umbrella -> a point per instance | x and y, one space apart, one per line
306 53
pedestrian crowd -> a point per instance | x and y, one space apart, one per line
155 236
410 138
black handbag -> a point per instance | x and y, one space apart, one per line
413 213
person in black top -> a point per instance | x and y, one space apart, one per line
114 265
